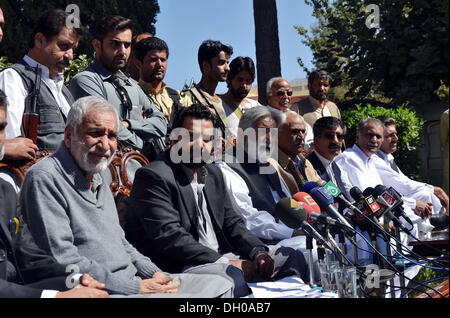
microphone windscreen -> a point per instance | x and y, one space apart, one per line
379 189
322 197
291 213
356 194
368 191
308 202
308 186
321 183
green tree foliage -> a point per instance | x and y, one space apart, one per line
77 65
405 59
21 16
409 127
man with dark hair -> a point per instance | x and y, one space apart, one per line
316 105
131 68
50 51
140 120
329 133
26 270
185 219
239 82
431 198
151 61
213 57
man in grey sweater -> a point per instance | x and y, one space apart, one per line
73 217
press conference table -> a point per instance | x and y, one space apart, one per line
423 247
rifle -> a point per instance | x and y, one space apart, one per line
30 120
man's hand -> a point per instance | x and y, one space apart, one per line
159 284
20 149
423 209
82 292
264 265
87 281
443 197
248 268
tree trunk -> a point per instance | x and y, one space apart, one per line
267 45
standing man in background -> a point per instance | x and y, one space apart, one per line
239 82
316 105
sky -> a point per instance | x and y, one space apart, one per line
185 24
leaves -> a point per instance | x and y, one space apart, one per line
405 59
21 16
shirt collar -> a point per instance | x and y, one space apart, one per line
284 159
201 176
148 87
361 154
106 74
322 159
59 78
316 103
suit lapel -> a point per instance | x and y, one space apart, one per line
187 194
317 164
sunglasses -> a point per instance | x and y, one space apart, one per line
330 135
281 93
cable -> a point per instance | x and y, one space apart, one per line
396 270
428 281
412 261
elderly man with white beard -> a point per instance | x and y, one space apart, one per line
72 214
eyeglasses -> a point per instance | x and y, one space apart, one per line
281 93
330 135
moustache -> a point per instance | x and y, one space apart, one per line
333 145
64 62
374 144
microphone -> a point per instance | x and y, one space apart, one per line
325 201
392 200
339 197
294 215
363 206
313 210
308 186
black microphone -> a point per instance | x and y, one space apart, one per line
325 201
398 202
294 215
387 203
366 210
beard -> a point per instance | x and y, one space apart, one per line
240 93
149 77
81 155
319 96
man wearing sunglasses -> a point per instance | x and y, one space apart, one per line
279 95
329 133
316 105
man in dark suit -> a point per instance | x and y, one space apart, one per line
185 218
25 270
329 133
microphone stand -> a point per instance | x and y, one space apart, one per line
399 246
309 247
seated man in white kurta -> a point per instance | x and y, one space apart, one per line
391 174
357 165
